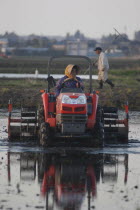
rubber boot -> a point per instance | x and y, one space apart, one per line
110 83
100 84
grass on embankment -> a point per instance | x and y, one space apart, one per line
125 74
28 64
127 88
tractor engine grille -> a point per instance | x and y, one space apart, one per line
72 124
71 118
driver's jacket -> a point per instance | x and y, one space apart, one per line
68 84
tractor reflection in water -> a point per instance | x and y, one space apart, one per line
110 170
67 181
27 167
72 181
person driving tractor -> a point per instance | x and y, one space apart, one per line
70 80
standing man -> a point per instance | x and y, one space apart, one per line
103 68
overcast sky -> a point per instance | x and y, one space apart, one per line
94 18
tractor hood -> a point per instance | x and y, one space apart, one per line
72 98
74 103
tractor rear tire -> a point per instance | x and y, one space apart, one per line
98 131
41 119
41 115
44 134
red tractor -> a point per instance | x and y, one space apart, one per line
74 114
77 114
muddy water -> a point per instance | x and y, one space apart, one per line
70 178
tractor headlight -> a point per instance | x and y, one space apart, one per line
81 100
67 100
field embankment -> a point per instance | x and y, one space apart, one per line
125 74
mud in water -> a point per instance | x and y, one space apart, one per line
70 178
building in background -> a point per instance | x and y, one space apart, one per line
12 44
76 44
3 45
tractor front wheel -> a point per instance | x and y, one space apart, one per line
44 132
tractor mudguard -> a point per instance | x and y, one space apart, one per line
92 117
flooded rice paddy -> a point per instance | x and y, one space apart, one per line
70 178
